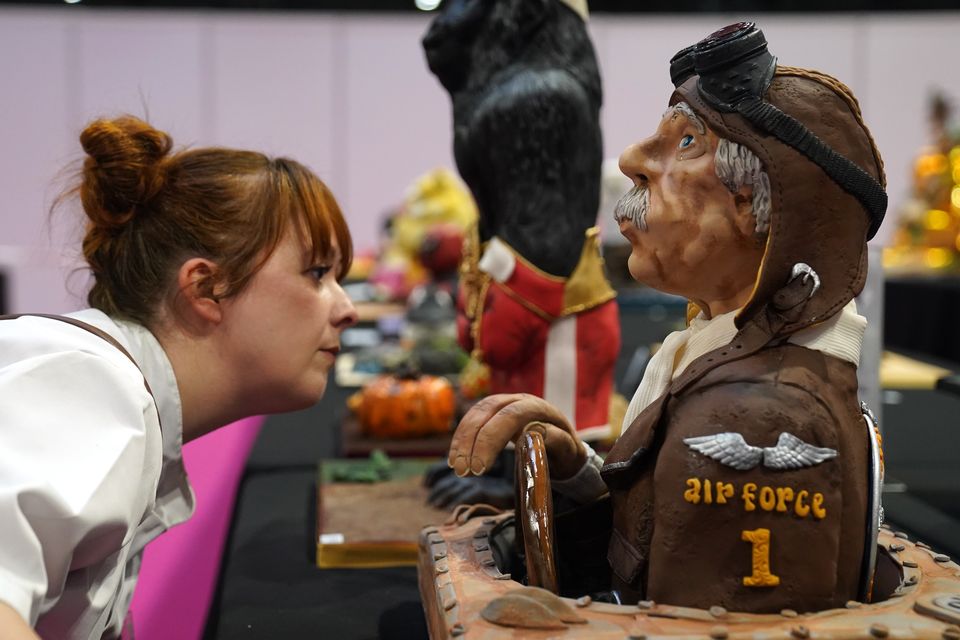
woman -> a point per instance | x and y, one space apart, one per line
218 272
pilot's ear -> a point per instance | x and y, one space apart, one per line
745 221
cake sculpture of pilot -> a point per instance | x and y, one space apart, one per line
536 307
747 474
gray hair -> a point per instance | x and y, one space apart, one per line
738 166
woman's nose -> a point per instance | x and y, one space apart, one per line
345 314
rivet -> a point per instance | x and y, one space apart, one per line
481 547
439 555
896 547
878 630
430 530
717 611
800 632
584 601
912 580
788 613
457 630
853 604
901 535
923 545
941 558
719 633
910 564
503 576
449 604
951 633
637 636
645 604
488 562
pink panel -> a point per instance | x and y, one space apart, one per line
905 59
273 82
148 64
33 120
395 118
180 569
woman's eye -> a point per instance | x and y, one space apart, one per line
319 271
685 141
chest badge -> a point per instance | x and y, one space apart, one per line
733 451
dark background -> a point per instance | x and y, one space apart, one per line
596 6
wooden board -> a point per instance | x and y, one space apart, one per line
367 525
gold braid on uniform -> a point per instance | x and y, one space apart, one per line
474 284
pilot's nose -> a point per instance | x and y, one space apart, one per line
640 161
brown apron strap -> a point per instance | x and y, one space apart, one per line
95 331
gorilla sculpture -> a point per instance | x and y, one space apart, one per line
526 95
536 306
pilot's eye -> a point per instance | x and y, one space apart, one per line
685 141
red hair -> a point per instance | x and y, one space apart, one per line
149 209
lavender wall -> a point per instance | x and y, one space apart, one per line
351 97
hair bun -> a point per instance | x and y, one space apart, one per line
123 170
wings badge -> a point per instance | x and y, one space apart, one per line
732 450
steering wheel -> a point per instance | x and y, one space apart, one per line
535 507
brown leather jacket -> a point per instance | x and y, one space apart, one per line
692 530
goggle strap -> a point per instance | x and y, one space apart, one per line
850 177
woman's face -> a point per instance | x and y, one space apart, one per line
282 332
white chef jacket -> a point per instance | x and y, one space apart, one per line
87 476
841 336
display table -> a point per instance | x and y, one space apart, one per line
270 587
922 316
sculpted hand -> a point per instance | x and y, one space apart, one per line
496 420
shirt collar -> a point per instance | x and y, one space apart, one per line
839 336
158 372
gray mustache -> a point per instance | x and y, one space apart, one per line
633 206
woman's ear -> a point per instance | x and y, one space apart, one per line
196 284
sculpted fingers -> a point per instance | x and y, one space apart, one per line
507 423
473 423
494 421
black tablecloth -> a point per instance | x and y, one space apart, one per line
922 316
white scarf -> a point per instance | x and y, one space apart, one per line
840 336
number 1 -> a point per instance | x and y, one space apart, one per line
760 539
